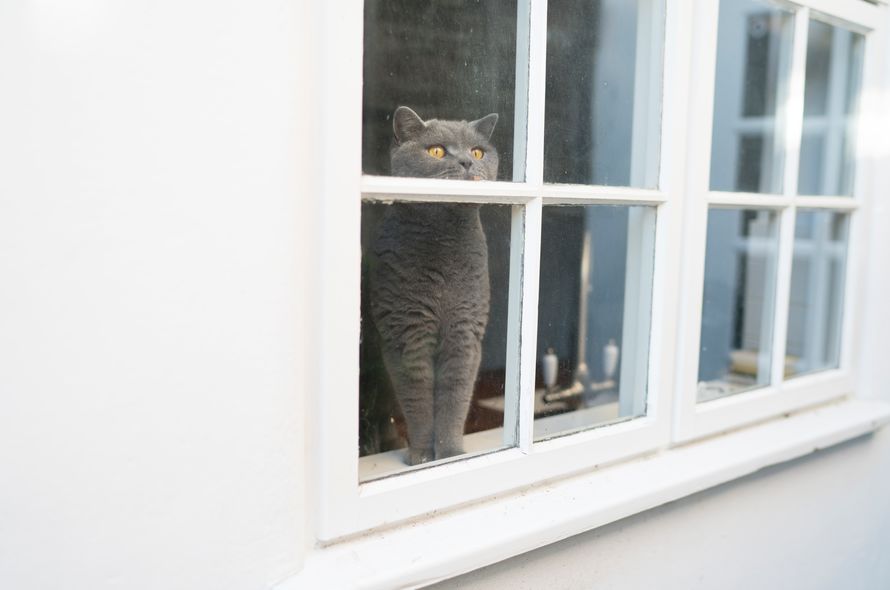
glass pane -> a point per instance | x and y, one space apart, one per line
753 65
435 278
603 103
450 60
815 307
739 295
833 77
593 316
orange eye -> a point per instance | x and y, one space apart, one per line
436 151
477 153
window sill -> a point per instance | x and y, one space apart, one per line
371 467
427 550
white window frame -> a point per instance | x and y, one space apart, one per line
696 420
348 507
653 470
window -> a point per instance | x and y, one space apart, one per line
666 239
775 206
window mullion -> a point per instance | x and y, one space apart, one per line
523 72
525 254
522 317
648 94
782 293
701 107
793 118
793 102
537 87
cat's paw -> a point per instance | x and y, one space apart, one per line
418 456
445 451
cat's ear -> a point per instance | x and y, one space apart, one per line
485 125
406 124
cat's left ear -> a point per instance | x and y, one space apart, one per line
406 124
485 125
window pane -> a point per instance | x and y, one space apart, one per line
815 307
430 283
753 64
593 316
446 60
603 103
833 75
739 294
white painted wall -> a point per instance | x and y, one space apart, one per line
155 222
156 232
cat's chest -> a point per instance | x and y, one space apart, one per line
442 257
452 235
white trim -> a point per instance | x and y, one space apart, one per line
692 272
769 201
421 491
791 139
537 90
523 327
568 193
521 91
872 106
719 199
646 144
834 203
778 296
856 15
412 556
339 116
749 407
636 331
390 188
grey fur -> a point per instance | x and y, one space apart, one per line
430 286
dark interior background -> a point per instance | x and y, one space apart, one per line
448 59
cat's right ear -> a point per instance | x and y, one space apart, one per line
406 124
485 125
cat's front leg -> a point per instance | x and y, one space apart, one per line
411 373
456 371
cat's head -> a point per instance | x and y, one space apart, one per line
443 149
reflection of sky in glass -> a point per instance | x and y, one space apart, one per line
593 67
833 73
738 303
753 64
815 307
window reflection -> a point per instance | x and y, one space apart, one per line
833 73
603 103
753 65
593 316
739 294
815 308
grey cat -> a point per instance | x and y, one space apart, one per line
430 286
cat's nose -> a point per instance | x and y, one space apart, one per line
466 163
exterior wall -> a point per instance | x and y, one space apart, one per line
155 231
156 239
